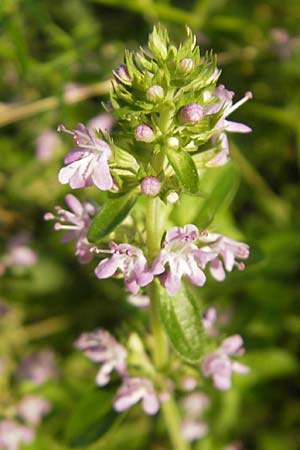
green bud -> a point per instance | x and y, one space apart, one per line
186 65
155 93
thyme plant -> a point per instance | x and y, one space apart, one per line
170 118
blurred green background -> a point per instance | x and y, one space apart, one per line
56 57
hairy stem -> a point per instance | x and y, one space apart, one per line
155 217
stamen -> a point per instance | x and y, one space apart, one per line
59 226
248 96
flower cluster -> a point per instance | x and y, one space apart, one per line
101 347
76 221
193 427
20 428
218 364
185 252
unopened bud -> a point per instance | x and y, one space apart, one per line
192 112
144 133
155 93
150 186
186 65
173 143
121 73
172 197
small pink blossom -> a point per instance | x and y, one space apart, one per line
209 318
12 435
223 125
101 347
182 257
38 367
87 163
130 261
18 252
192 429
103 122
76 221
219 366
192 426
46 143
188 383
132 391
32 408
141 301
227 251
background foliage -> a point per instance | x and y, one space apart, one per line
48 47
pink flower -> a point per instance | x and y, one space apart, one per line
87 163
130 261
38 367
101 347
18 252
132 391
192 426
192 429
219 366
32 408
76 221
228 249
12 434
182 257
209 318
223 125
46 143
103 122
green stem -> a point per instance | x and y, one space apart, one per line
155 217
172 420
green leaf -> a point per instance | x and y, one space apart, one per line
182 321
185 169
224 182
112 213
92 418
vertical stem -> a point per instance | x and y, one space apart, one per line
160 345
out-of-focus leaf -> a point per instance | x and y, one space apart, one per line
92 418
185 169
112 213
268 364
225 182
183 323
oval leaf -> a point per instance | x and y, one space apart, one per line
182 321
112 213
185 169
92 418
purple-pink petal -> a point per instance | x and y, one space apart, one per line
101 175
107 267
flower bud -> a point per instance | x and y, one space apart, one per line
150 186
186 65
173 143
172 197
144 133
155 93
121 74
192 112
